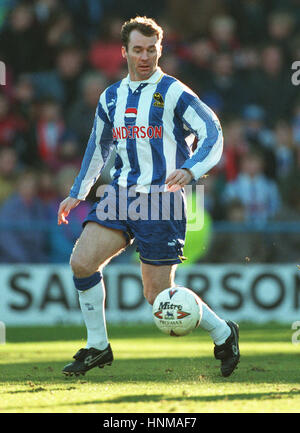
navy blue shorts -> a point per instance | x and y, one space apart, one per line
156 221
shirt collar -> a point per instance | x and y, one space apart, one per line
155 77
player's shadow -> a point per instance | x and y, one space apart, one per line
249 333
262 368
163 399
148 398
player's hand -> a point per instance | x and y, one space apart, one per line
178 179
64 209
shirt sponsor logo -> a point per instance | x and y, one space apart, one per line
133 132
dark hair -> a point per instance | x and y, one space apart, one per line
147 26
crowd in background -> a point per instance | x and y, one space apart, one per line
236 55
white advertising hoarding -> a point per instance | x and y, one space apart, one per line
45 294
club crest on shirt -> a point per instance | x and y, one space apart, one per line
159 100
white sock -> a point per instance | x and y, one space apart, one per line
92 306
217 327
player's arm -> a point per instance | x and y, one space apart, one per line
96 154
204 124
64 209
179 178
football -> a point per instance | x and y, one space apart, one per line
177 311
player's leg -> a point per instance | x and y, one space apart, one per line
161 242
225 334
95 247
156 278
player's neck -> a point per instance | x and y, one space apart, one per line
133 76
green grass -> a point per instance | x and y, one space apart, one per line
151 372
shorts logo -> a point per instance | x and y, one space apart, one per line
159 100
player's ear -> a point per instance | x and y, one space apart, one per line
124 52
159 50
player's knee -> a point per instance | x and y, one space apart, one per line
150 294
80 268
150 298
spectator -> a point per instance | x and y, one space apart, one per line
247 60
8 172
280 31
5 8
62 239
60 32
11 125
22 218
170 64
260 137
223 34
294 44
296 125
255 128
87 16
196 17
70 65
196 63
68 151
210 192
172 39
61 83
81 115
251 19
47 189
24 96
284 151
286 246
271 86
240 245
46 132
105 53
226 84
22 44
258 194
235 146
45 9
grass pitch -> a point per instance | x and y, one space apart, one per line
151 372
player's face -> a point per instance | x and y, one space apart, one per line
142 55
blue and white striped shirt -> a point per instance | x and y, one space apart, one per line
149 122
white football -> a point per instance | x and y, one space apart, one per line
177 311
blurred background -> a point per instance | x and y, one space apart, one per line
236 55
